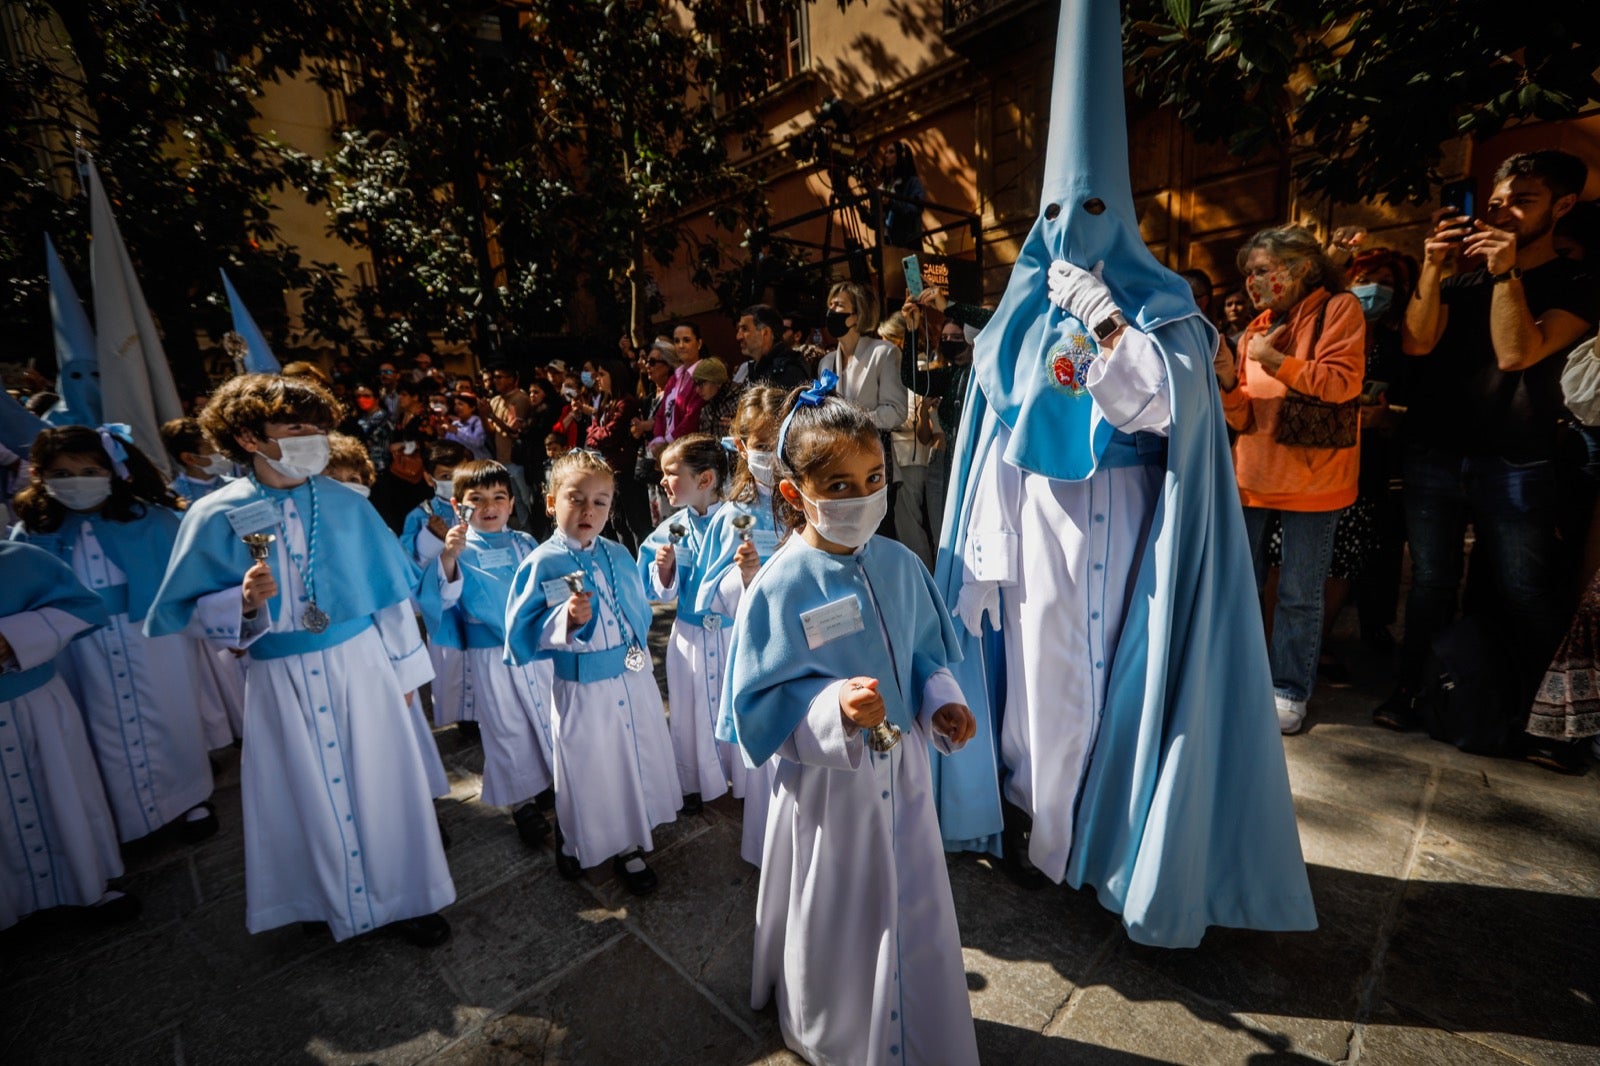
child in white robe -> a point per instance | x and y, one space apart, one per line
338 821
733 558
464 593
219 672
58 848
693 471
614 775
98 504
422 537
839 651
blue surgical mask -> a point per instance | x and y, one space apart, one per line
587 379
1375 299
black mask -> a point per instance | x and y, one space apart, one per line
950 348
835 323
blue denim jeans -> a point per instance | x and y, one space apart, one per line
1296 642
1516 560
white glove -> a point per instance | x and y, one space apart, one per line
1081 293
975 599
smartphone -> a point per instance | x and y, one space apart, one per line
1459 195
913 276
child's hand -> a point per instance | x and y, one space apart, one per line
259 586
955 721
437 526
666 564
455 542
578 611
860 703
748 560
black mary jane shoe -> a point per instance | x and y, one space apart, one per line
531 824
316 929
194 830
640 882
546 800
567 866
425 931
469 730
692 804
1014 861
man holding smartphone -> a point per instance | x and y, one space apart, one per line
1493 309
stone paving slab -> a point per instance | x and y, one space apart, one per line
1456 895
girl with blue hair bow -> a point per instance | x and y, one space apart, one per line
99 505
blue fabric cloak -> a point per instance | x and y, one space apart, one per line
485 588
722 540
1184 818
31 579
774 674
526 613
693 558
359 569
140 548
417 520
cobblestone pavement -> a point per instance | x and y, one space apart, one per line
1459 900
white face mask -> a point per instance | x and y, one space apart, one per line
443 488
303 457
216 465
79 493
365 490
851 522
760 464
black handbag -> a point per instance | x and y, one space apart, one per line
1307 422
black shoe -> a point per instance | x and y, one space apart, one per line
192 831
1014 849
315 929
567 866
531 825
428 931
124 908
469 730
1564 757
640 882
444 834
546 800
692 804
1398 712
1333 672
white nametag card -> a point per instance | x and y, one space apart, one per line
498 559
253 517
556 591
765 541
832 621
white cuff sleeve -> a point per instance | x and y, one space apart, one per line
450 591
402 639
219 619
1130 385
940 689
38 636
428 546
824 736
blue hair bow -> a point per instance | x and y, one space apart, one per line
819 391
113 435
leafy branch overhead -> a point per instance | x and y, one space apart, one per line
1366 92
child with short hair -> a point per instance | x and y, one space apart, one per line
464 593
423 539
203 469
350 463
99 505
840 648
732 557
578 602
693 470
338 821
59 845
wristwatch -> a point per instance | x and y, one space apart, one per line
1108 325
1514 274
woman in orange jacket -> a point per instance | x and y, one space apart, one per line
1301 364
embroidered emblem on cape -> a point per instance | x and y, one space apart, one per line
1069 360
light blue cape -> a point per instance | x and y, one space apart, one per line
485 590
139 548
1184 819
527 611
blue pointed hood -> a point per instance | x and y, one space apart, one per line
78 366
1027 359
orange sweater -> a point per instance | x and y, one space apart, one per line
1287 477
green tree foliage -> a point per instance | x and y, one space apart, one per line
1371 88
502 162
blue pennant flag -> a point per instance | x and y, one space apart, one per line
78 367
258 357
